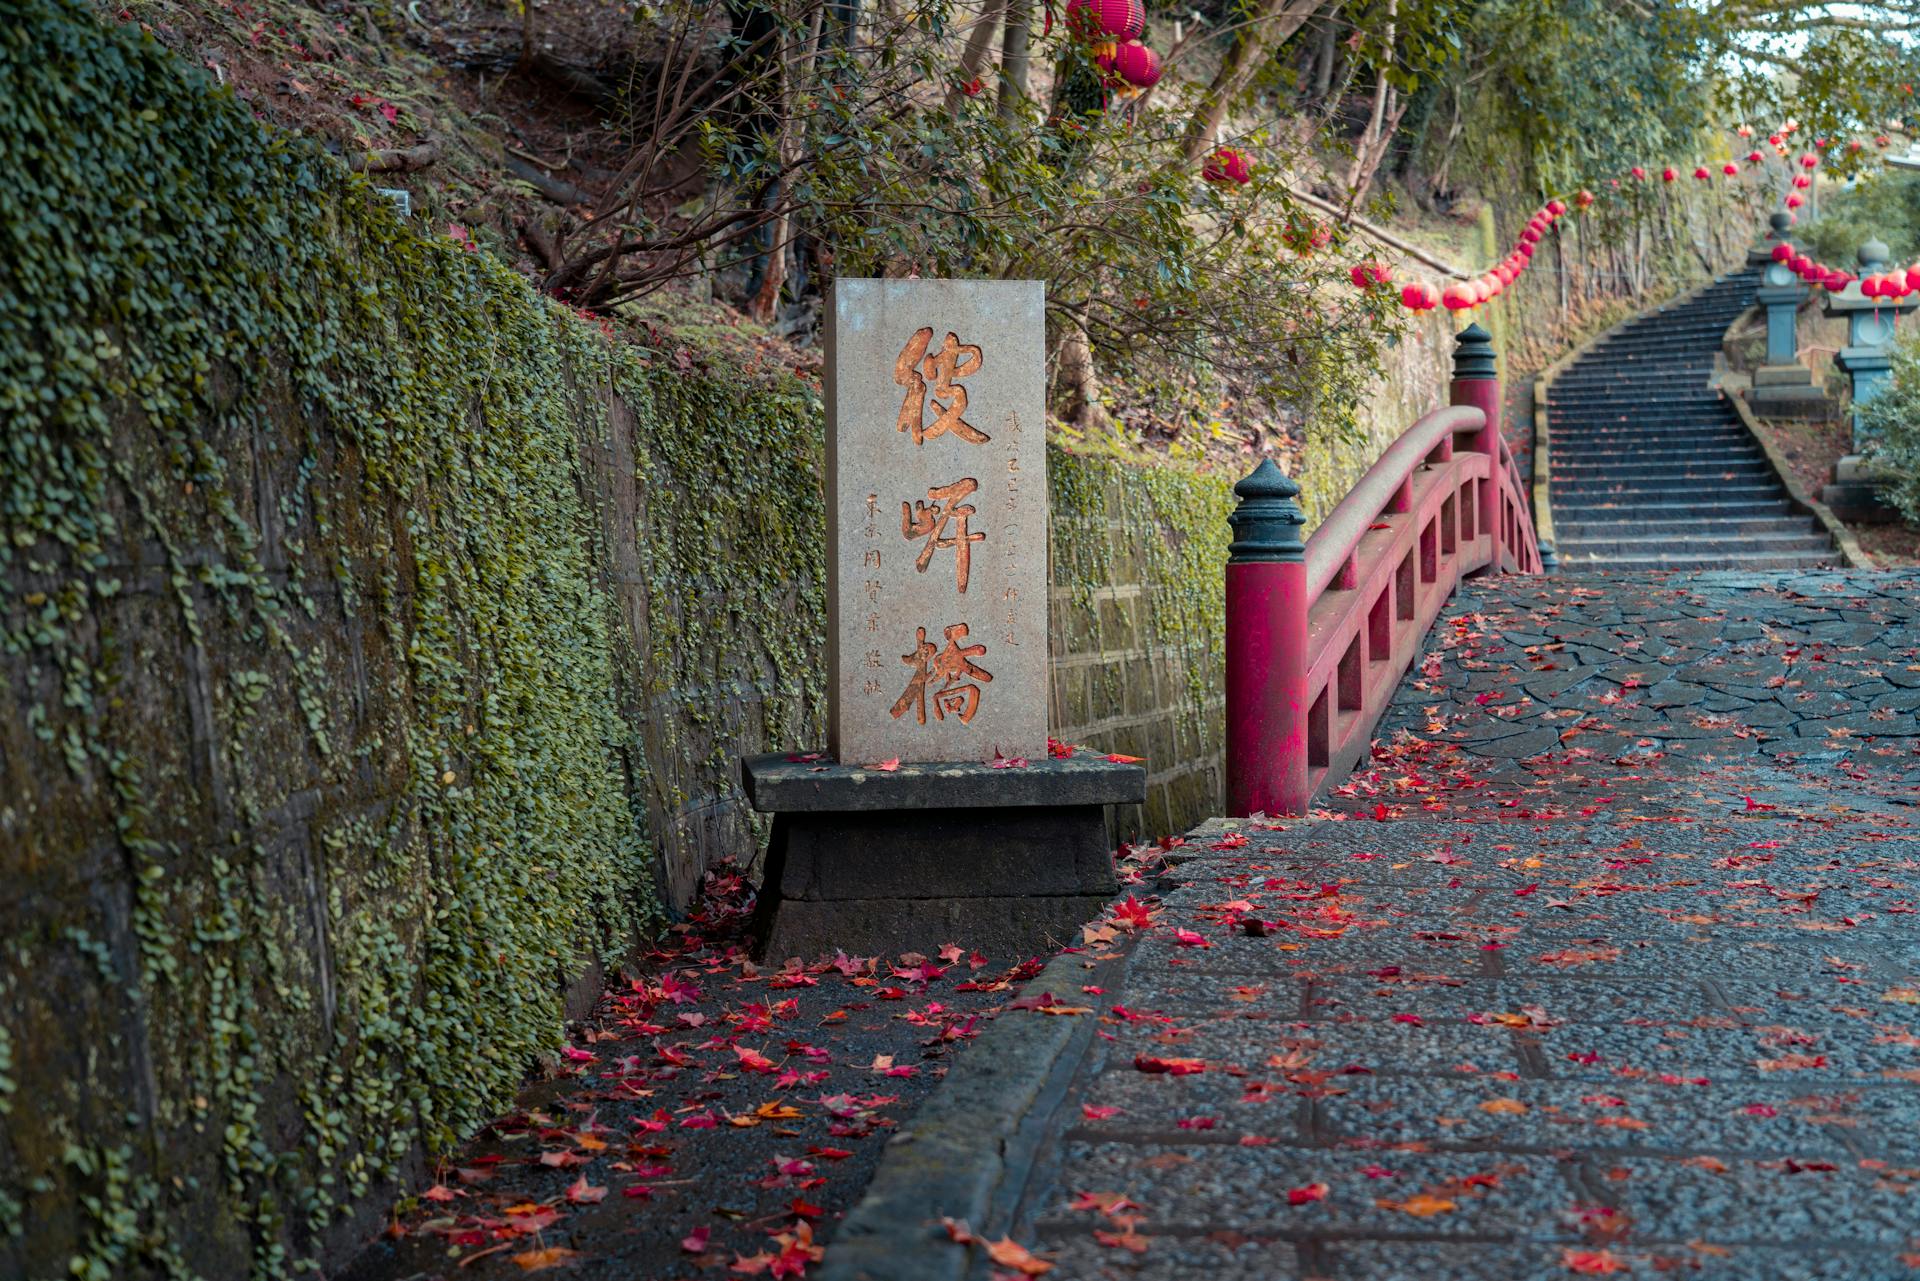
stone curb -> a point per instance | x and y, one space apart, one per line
952 1158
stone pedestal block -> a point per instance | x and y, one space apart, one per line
1783 376
1010 861
1787 391
1856 495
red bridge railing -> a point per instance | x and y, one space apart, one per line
1319 633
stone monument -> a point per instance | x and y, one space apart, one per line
937 812
1867 358
1782 386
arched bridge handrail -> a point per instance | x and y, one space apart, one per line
1320 633
1331 544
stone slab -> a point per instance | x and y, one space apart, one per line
812 783
937 519
1782 376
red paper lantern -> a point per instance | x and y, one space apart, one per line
1524 249
1800 263
1730 169
1782 252
1754 157
1133 63
1583 198
1701 172
1802 181
1413 297
1746 131
1556 207
1809 161
1870 285
1227 165
1835 280
1794 202
1776 140
1455 298
1106 21
1913 276
1530 234
1669 174
1883 141
1638 172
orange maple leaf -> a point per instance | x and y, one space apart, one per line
1009 1253
540 1260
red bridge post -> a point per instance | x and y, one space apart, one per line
1266 717
1476 382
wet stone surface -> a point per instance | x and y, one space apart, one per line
1609 963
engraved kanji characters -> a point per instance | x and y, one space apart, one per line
929 520
958 694
914 368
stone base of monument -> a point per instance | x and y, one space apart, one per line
1787 391
875 862
1857 495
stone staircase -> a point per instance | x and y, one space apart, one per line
1652 469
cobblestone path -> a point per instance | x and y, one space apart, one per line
1610 965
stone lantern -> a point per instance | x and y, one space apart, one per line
1867 357
1782 386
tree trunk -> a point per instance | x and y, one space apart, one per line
1365 161
1324 58
1015 63
1271 24
979 41
1080 381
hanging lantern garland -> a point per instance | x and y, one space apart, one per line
1423 296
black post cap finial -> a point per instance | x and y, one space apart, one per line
1267 522
1779 222
1473 358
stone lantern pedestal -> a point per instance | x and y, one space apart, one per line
1867 357
1782 387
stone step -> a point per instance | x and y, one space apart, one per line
1656 448
1600 472
1654 545
1729 491
1729 527
1702 560
1649 431
1584 509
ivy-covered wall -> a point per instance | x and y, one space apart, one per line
377 642
364 619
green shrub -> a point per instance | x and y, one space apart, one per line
1894 417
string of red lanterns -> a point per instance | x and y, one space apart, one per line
1422 296
1890 285
1112 30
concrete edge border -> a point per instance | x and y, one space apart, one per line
1843 539
951 1157
1542 462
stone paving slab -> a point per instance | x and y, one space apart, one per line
1624 979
